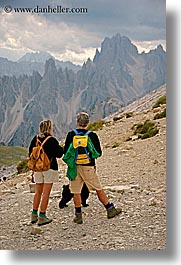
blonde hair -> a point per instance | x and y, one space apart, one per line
45 127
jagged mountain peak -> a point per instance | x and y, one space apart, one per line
118 42
88 63
119 38
50 64
159 49
36 57
116 50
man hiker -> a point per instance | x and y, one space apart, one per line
85 167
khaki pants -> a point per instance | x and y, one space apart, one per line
88 175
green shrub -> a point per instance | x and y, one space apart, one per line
95 126
145 130
160 115
142 128
149 134
22 166
159 102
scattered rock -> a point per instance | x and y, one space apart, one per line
35 230
32 187
153 201
121 188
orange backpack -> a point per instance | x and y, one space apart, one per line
38 160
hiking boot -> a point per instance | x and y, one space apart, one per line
78 218
43 220
34 218
112 212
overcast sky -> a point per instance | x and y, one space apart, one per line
75 36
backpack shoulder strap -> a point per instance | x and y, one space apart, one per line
87 133
38 142
75 131
46 140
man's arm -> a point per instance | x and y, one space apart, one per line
96 142
68 141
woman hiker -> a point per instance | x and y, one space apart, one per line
44 180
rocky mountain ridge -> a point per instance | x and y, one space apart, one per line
117 76
31 62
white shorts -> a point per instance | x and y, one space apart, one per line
49 176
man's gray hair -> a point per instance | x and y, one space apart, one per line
82 119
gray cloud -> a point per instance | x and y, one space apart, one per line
77 35
105 17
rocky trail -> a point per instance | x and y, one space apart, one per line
134 176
